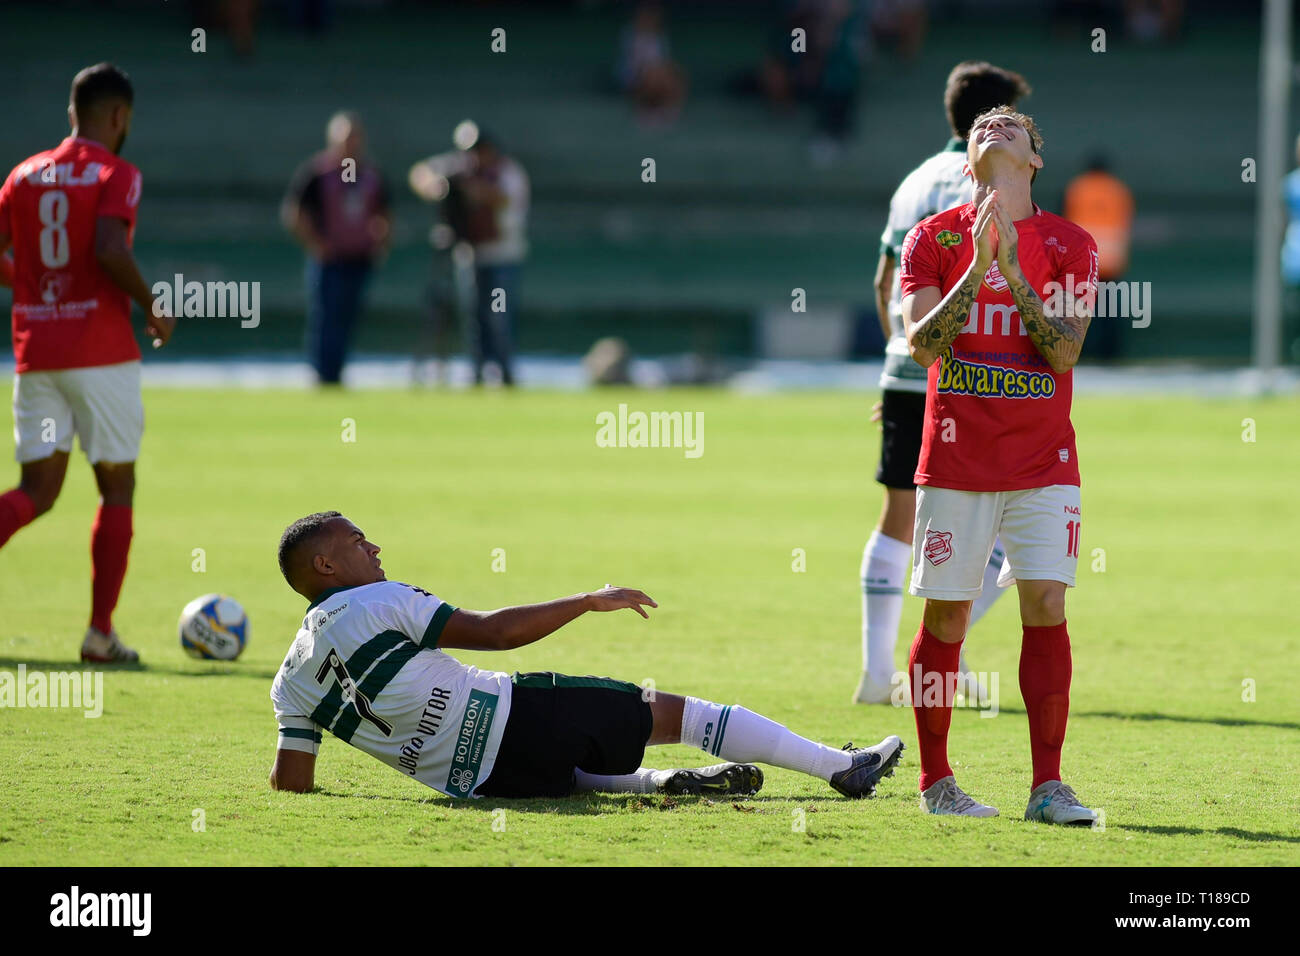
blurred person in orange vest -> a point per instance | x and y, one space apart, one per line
1099 201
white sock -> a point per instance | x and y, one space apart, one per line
641 780
886 565
742 736
991 590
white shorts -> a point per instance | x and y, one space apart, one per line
955 531
100 405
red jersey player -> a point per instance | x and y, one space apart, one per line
997 455
69 213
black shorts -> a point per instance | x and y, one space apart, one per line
557 723
902 421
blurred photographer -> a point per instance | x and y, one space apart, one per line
484 195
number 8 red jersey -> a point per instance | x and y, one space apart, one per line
67 313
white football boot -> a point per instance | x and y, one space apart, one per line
944 797
1054 802
101 648
872 691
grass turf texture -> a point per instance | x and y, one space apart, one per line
1198 527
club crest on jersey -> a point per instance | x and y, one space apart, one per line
947 238
938 546
53 285
994 280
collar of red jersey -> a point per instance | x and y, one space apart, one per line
86 141
970 210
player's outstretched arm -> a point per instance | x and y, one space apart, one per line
294 770
113 253
511 627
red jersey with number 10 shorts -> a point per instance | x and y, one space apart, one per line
67 313
997 418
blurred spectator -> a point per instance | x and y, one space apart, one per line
608 362
836 39
899 25
337 208
485 197
451 276
1291 244
1099 201
1154 20
645 71
241 21
236 18
815 55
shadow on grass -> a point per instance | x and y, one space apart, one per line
582 804
1198 831
1151 715
216 668
1178 718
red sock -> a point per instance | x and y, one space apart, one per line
1045 669
930 656
110 542
16 510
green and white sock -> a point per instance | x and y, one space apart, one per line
742 736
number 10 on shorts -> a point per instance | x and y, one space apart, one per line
1072 538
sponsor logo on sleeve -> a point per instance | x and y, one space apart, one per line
948 238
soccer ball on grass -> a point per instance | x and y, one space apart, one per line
213 627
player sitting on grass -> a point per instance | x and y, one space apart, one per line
369 665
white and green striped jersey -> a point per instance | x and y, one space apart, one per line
937 184
366 667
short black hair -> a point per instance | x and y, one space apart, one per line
98 84
300 534
975 87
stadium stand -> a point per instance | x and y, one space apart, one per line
737 217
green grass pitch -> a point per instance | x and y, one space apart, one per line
1195 607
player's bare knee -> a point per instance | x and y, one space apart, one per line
116 483
947 620
43 491
1042 606
666 710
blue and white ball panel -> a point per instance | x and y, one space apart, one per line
214 627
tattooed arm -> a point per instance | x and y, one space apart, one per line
1056 332
942 319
